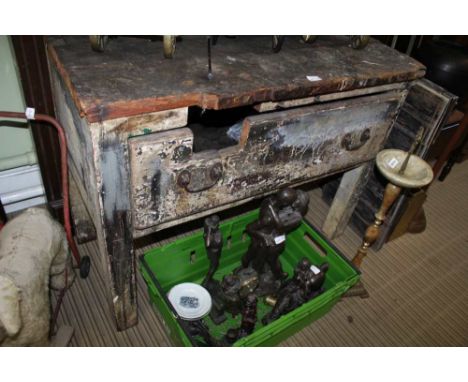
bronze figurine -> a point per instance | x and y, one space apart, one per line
213 244
249 319
234 288
267 285
261 273
306 283
230 287
279 214
213 239
198 328
249 316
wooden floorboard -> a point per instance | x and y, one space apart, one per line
418 287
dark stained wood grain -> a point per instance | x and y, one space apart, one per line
131 77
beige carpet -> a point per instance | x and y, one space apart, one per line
418 287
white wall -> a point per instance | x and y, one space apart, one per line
20 179
14 142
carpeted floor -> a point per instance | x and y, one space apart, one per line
418 287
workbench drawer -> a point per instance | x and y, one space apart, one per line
171 184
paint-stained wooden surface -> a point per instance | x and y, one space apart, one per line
98 165
275 149
131 77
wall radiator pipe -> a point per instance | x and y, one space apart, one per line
21 187
22 194
26 159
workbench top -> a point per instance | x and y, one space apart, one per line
132 77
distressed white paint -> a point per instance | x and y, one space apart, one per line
247 168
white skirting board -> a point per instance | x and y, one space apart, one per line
21 188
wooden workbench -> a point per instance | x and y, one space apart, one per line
312 111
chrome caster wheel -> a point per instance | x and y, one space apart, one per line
169 42
309 39
98 43
277 43
358 42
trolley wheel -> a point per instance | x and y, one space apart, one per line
169 42
85 265
358 42
98 43
277 43
309 39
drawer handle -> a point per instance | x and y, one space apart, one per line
195 179
354 141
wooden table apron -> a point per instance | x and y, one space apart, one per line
127 167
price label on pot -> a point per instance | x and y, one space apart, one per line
393 162
314 270
279 239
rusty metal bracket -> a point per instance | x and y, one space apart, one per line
199 178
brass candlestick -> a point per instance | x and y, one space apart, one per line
402 170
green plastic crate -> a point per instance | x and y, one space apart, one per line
185 260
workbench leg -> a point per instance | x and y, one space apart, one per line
115 237
345 200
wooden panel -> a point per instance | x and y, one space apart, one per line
80 147
347 196
278 105
131 77
276 149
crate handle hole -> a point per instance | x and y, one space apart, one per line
229 242
316 246
193 257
